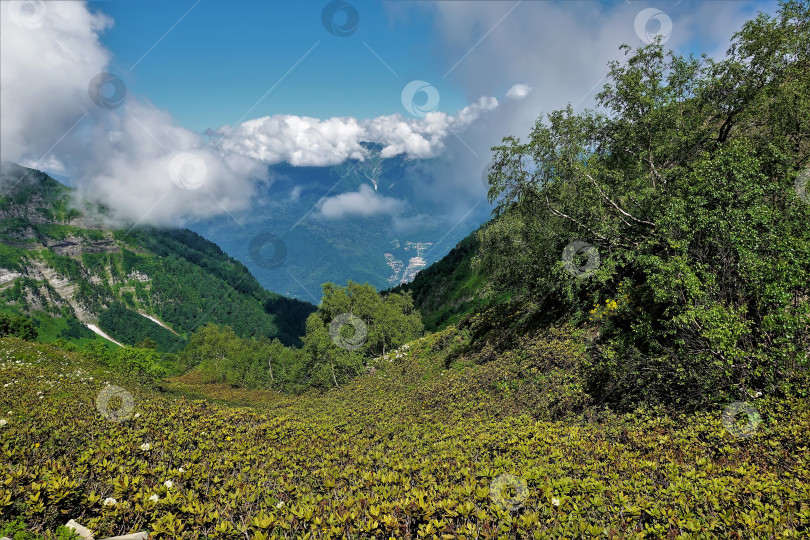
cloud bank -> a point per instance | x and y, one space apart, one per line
63 113
559 54
60 113
305 141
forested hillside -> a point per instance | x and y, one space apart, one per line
449 289
58 266
669 224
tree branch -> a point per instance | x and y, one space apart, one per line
616 206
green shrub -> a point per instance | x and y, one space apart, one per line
17 326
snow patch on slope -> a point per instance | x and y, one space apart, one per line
103 334
154 320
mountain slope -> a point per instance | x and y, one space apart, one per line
449 288
406 449
325 244
58 266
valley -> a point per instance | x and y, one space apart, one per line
306 324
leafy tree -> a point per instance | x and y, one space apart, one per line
17 326
332 354
223 357
75 329
146 364
209 350
146 343
366 325
684 182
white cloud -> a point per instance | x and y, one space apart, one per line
559 52
295 194
518 91
364 202
122 156
45 72
50 163
306 141
119 156
131 172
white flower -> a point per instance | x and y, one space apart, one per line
109 501
758 394
555 501
181 469
137 415
168 483
146 446
3 421
279 504
154 498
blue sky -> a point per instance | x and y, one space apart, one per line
239 50
215 63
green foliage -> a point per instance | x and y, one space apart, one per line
147 366
64 266
95 263
387 321
17 530
130 327
146 343
187 289
10 257
411 450
75 330
223 357
173 274
17 326
684 182
449 289
53 325
37 200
